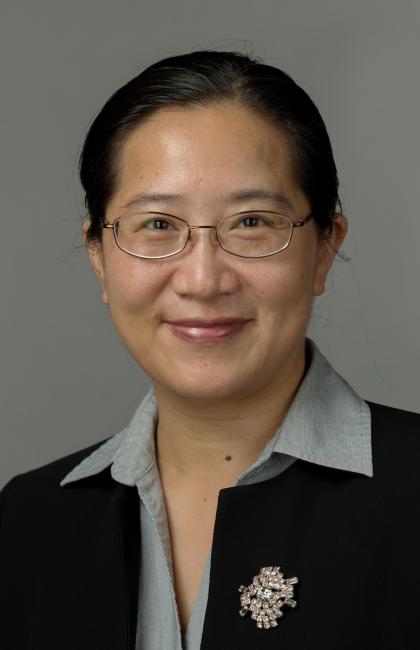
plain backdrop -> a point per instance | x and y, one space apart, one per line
65 379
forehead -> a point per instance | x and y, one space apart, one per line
202 152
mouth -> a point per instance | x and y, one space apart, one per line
207 331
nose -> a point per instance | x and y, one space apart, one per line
204 270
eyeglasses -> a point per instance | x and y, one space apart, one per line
253 233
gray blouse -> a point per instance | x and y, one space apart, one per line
327 424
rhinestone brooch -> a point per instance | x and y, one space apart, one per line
266 595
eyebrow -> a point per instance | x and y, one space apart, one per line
245 194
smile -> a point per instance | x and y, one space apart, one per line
204 331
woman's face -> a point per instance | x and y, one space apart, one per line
204 156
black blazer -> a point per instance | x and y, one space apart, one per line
69 556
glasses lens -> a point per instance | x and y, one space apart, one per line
151 235
255 234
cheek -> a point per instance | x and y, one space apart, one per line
288 289
131 286
132 295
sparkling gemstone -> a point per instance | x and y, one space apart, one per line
290 602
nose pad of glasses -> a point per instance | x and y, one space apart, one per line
192 234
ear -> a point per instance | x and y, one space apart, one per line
96 257
327 249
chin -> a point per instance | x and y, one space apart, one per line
204 396
204 384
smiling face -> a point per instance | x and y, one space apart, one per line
205 156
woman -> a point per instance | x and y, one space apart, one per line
241 507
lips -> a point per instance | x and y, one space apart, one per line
206 331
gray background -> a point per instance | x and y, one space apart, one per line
65 379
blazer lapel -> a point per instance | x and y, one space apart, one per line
108 569
128 533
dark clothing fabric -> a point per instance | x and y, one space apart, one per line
351 540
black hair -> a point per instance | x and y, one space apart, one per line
202 78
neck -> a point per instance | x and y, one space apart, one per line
214 444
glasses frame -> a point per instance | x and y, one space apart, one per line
294 224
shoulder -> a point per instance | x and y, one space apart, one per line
395 442
382 415
45 478
394 425
35 507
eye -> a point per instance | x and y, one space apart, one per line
157 224
252 221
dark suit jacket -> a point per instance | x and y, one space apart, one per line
69 556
